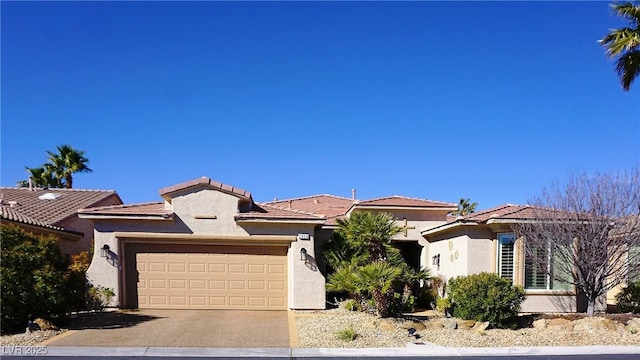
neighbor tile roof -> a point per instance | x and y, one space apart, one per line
143 209
205 181
11 214
52 212
404 201
506 211
275 212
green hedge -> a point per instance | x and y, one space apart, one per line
486 297
35 278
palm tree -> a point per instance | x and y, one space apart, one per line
377 279
624 43
42 177
67 162
369 230
465 207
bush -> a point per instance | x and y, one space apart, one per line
99 297
629 298
443 305
486 297
34 277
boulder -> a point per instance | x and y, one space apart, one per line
594 323
466 324
559 324
480 326
433 325
450 324
413 324
386 325
633 326
45 324
540 324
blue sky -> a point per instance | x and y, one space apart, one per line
438 100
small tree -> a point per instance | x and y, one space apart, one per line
584 233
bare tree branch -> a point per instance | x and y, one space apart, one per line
584 233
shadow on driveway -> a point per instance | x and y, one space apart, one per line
107 320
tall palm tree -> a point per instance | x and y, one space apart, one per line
43 177
624 43
465 207
67 162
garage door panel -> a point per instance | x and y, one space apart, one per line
211 279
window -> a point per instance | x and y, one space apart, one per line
543 270
506 255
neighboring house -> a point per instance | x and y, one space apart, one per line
208 245
54 212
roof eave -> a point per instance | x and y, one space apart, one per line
446 227
154 217
279 221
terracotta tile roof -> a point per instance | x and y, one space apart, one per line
207 182
403 201
143 209
323 204
506 211
8 213
63 203
274 212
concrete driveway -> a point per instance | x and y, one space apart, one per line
178 328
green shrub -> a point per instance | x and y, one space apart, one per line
629 298
352 305
35 279
348 334
442 305
486 297
99 297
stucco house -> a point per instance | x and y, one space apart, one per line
208 245
54 212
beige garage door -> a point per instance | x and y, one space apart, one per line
222 278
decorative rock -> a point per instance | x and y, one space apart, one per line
480 326
433 325
633 325
465 324
449 324
386 325
413 324
45 324
595 323
559 324
540 324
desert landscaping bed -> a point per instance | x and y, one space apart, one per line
318 329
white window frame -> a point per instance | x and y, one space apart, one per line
499 265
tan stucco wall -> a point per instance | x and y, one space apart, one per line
306 284
84 226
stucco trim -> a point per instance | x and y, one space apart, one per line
446 227
541 292
280 221
126 217
213 239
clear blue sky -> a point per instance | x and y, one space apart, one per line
439 100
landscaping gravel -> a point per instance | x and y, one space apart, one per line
316 329
29 338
